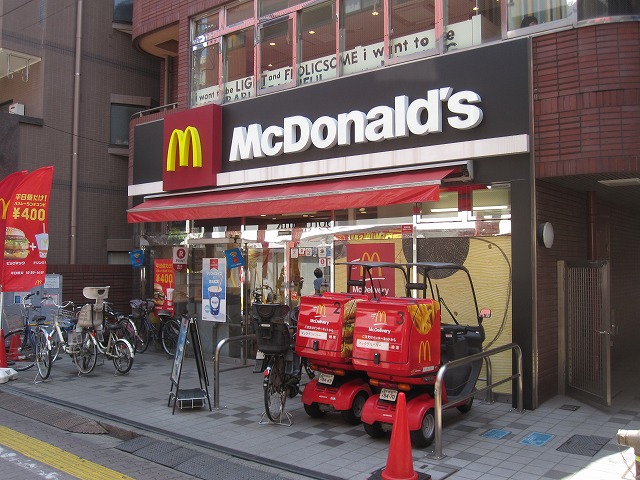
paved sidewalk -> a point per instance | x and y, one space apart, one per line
563 439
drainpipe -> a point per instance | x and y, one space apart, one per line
75 129
592 217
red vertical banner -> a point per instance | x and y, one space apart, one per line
7 186
163 284
26 243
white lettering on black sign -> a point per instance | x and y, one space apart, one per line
419 117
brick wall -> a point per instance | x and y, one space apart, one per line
567 212
586 87
123 280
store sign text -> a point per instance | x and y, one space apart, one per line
420 117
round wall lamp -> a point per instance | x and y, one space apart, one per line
545 234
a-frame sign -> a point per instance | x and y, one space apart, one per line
193 397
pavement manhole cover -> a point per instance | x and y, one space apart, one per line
583 445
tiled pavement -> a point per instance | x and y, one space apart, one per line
562 439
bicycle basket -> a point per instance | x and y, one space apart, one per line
139 307
269 312
272 338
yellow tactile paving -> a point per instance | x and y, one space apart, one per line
56 457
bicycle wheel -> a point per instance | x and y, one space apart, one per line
43 354
128 332
122 356
169 334
87 355
22 354
275 392
142 341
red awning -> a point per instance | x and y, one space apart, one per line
337 194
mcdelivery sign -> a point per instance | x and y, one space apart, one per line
418 117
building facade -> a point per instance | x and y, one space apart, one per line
69 82
500 136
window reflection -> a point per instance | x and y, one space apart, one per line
470 22
238 65
205 75
412 27
317 44
276 54
362 35
523 14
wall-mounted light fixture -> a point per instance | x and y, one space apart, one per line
545 234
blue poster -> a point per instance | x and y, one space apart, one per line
214 286
234 258
137 258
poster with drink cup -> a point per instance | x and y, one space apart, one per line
26 242
214 286
163 285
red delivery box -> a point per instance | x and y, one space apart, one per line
397 337
325 327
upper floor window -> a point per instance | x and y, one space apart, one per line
123 107
122 11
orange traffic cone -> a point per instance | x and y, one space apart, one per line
3 351
14 348
399 460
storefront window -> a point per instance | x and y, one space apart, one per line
594 9
468 23
525 14
276 53
206 24
239 13
238 65
317 44
412 27
361 35
205 71
271 6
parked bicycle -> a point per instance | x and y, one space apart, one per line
281 367
165 334
128 331
26 346
118 350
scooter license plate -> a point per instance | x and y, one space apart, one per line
326 378
388 394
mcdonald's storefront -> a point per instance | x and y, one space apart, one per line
424 161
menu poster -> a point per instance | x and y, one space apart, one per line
163 285
27 232
214 286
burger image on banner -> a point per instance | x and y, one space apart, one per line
158 294
16 245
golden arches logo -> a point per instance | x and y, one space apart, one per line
424 351
180 143
370 257
321 310
381 317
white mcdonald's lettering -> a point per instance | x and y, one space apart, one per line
181 142
321 310
370 257
424 351
381 317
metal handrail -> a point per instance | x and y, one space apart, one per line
216 364
437 452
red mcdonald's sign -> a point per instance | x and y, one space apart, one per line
192 147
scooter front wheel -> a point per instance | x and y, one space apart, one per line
374 430
424 437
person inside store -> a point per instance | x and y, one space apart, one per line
317 282
528 21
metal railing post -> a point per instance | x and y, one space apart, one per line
216 364
437 389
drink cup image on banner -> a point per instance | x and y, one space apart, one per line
214 303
